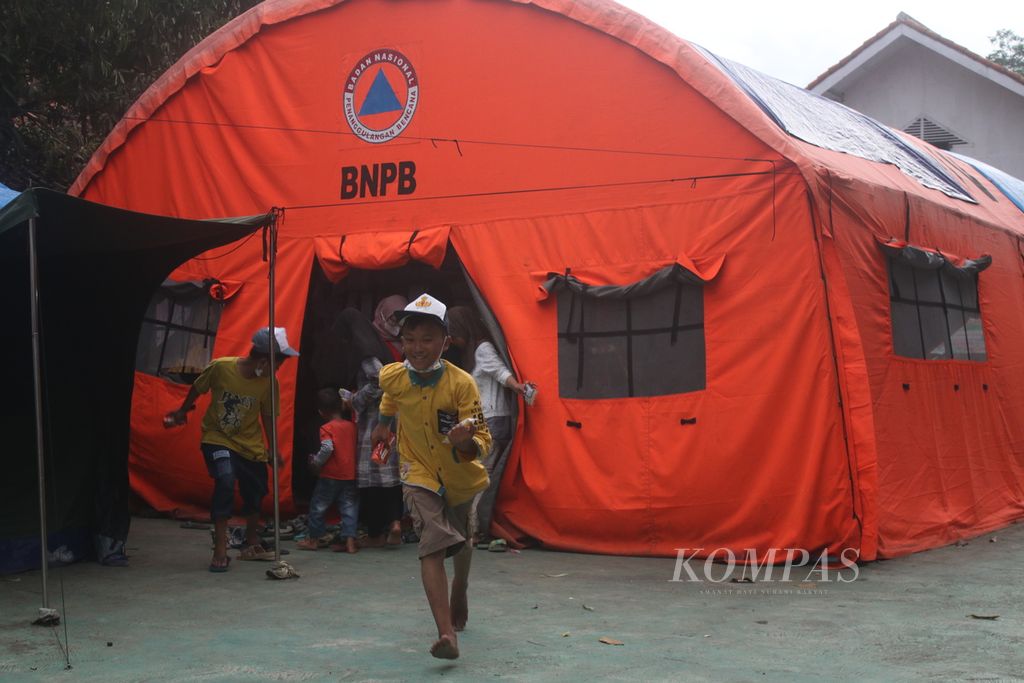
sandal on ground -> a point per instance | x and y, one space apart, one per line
308 544
255 552
219 568
498 545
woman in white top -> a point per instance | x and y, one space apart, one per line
496 384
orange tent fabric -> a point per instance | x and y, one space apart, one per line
546 136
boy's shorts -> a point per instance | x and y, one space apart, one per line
439 526
226 467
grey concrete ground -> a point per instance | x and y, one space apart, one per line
534 615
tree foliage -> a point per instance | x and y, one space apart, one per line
70 68
1009 50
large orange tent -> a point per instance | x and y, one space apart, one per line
736 298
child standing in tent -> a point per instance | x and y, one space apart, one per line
232 442
380 488
335 464
496 384
441 437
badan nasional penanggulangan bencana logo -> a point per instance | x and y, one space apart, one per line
381 95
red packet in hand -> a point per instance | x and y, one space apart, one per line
382 451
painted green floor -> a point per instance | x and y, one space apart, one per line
533 616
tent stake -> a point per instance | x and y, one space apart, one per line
47 616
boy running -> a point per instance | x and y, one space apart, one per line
442 436
232 441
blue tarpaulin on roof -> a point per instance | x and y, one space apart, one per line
830 125
1012 187
7 194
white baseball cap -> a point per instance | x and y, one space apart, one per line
261 341
424 305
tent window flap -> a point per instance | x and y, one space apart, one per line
934 304
637 340
176 341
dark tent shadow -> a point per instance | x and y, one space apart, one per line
98 266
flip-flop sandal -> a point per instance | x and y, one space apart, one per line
220 568
498 545
255 552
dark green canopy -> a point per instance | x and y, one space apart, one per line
98 266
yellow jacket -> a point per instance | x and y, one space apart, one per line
427 407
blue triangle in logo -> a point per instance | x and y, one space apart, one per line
381 97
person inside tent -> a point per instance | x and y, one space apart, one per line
496 384
380 493
334 465
232 442
384 323
442 435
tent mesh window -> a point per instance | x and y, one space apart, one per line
935 312
649 345
176 341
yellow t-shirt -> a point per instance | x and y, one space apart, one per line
233 418
425 414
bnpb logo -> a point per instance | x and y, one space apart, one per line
380 96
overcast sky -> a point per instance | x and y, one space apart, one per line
797 41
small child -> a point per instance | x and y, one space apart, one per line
335 464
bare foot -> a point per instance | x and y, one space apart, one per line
445 647
395 534
459 606
351 546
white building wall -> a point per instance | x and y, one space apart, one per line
911 81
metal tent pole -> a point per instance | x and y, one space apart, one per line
46 614
272 261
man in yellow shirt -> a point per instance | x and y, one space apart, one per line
233 442
442 437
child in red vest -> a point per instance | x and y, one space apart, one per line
335 464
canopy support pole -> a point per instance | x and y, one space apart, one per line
47 615
272 267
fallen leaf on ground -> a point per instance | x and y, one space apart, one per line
992 540
566 634
961 544
556 576
989 617
610 641
536 606
588 608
